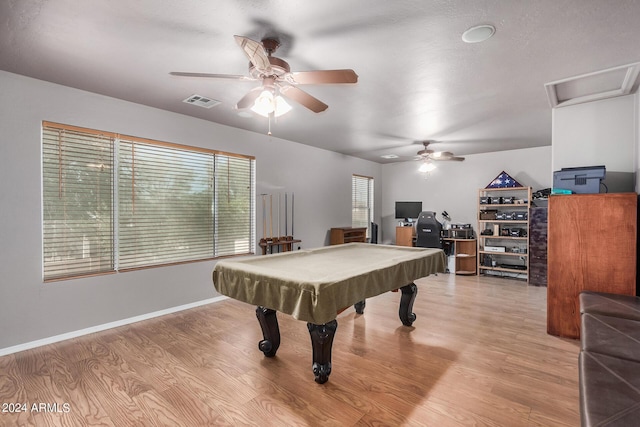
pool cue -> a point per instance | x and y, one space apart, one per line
264 219
292 234
271 216
279 203
286 211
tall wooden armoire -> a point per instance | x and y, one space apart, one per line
591 246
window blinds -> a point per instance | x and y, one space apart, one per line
362 201
234 224
165 205
77 214
114 202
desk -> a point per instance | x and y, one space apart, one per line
405 235
316 285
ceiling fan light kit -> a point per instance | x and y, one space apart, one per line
267 104
427 167
267 100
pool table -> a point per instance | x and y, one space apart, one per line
315 285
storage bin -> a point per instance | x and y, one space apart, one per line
488 214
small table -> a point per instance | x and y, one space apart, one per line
316 285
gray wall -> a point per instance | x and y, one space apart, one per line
596 133
601 132
453 186
31 310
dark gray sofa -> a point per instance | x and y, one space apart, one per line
609 362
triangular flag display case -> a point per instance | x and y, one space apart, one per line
503 180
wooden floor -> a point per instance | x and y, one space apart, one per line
478 354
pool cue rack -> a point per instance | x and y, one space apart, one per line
279 243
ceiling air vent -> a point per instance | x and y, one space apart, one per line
201 101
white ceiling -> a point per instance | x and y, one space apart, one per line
417 79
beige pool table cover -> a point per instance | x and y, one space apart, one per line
314 285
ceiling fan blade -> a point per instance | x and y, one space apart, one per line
303 98
255 52
213 76
321 77
249 99
443 156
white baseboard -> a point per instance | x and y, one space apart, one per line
105 326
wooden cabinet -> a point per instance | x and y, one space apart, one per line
464 251
340 235
503 238
404 235
538 246
591 246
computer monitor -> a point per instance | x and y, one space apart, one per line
408 210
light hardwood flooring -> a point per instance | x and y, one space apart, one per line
477 355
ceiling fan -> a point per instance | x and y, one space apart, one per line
428 157
277 80
427 154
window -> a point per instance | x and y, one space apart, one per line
362 202
113 202
77 211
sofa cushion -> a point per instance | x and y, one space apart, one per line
609 390
624 306
613 336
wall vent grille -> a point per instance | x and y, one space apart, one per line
201 101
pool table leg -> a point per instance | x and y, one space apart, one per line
359 306
270 331
321 342
409 293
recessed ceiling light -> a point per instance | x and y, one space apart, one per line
478 33
389 156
